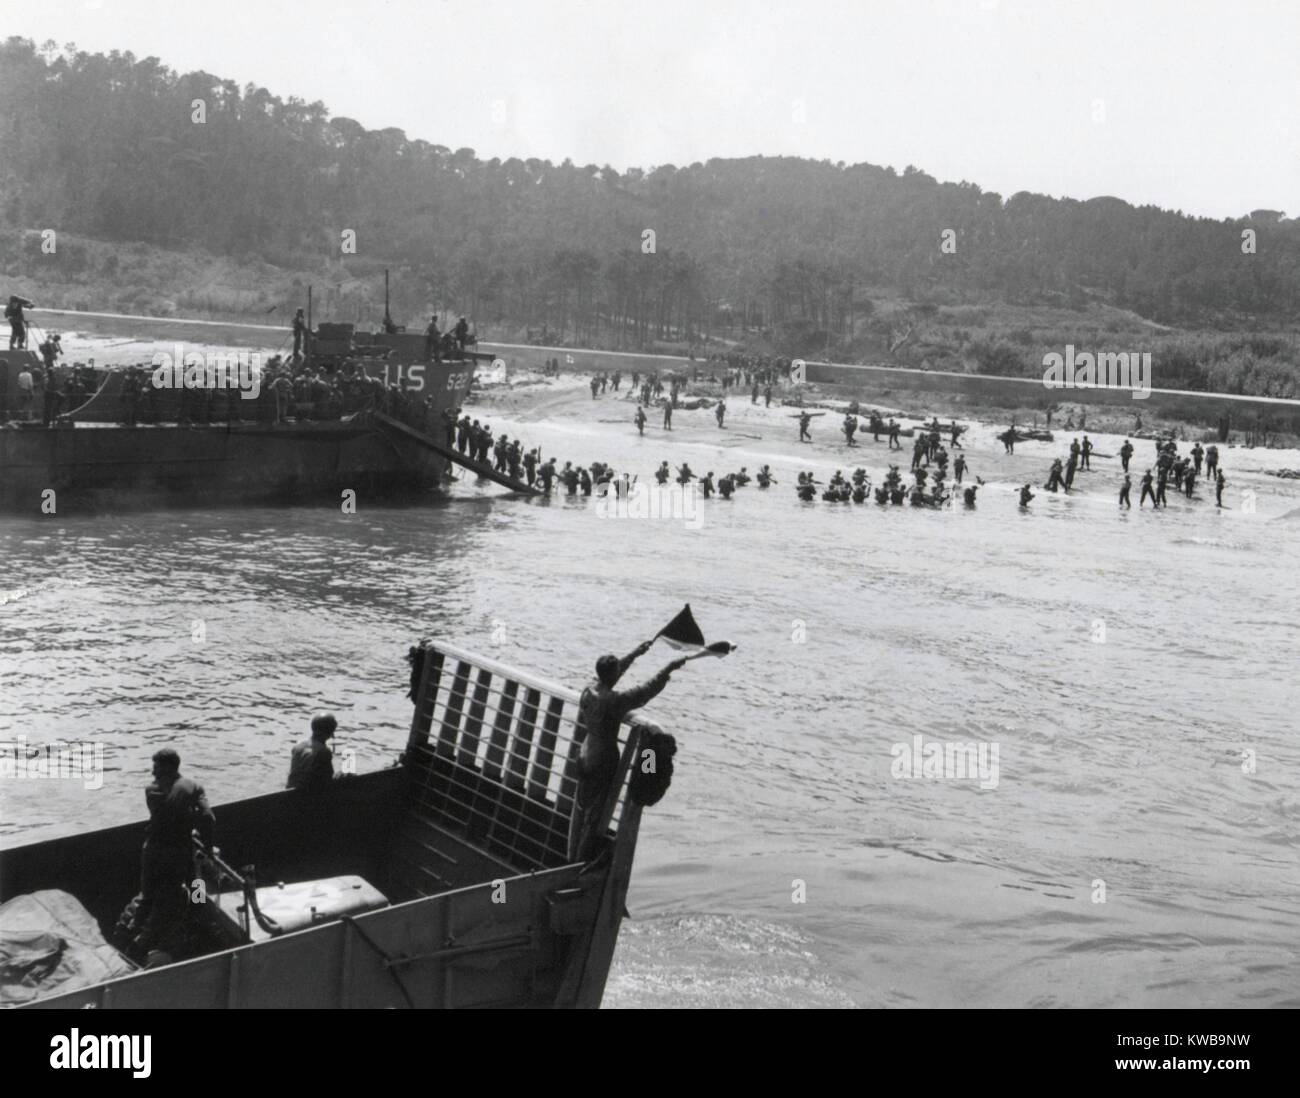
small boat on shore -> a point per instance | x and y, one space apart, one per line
443 881
1026 434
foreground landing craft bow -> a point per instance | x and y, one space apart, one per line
443 881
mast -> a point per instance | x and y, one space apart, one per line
389 326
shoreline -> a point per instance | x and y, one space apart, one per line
754 435
97 334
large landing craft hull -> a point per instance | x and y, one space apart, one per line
196 448
95 467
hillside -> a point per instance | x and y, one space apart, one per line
185 192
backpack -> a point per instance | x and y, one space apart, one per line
648 784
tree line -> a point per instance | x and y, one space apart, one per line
125 149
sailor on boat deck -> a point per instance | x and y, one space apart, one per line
311 767
177 806
17 321
601 709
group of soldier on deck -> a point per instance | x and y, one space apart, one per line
437 344
42 392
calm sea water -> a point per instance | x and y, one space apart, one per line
1119 762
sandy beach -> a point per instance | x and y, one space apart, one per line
755 434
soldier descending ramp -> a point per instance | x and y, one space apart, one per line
451 454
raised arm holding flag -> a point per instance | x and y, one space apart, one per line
601 710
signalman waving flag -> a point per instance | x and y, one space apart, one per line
601 710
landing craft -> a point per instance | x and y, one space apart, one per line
443 881
119 440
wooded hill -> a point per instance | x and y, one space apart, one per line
107 147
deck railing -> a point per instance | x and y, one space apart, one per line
494 753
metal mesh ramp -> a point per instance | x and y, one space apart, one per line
493 758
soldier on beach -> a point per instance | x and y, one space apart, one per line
1146 491
1124 490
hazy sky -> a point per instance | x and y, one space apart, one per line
1191 105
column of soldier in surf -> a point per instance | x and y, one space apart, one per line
725 486
1183 471
929 488
506 455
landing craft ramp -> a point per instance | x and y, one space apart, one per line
452 454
